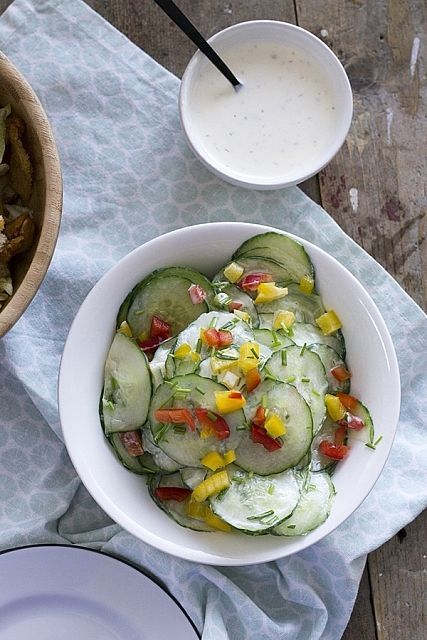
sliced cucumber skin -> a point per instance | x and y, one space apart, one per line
303 365
307 333
164 295
306 306
330 359
286 400
318 461
282 248
125 402
249 495
176 510
188 448
313 508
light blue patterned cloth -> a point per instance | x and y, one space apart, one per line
128 177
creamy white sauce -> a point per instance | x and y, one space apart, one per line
282 118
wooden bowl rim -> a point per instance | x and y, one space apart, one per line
43 254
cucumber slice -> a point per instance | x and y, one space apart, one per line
313 508
160 459
254 504
256 264
331 359
306 333
369 432
123 310
127 386
142 465
306 307
290 253
303 369
285 400
188 448
176 510
237 295
163 294
274 340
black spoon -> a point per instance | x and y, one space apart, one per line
190 30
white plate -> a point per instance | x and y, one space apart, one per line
67 593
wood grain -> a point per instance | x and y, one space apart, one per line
384 159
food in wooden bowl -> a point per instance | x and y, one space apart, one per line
30 194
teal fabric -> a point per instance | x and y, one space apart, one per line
128 177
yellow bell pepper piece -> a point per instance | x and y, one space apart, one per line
306 284
196 509
229 456
267 292
182 351
125 329
248 356
229 401
283 318
329 322
335 407
213 460
214 484
233 272
243 315
274 426
216 522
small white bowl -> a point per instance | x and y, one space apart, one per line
123 495
273 132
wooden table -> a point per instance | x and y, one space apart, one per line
375 189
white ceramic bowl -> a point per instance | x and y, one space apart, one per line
312 158
123 495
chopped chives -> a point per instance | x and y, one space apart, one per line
212 416
147 470
170 383
179 428
275 342
290 379
304 379
303 348
315 393
226 326
222 493
225 356
264 401
200 390
213 322
268 375
162 432
254 352
291 526
284 358
270 489
250 474
378 440
272 521
370 445
199 345
241 427
238 479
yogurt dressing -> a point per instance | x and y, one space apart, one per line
283 117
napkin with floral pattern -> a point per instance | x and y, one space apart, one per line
128 177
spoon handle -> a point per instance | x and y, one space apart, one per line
190 30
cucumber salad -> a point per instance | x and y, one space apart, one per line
232 395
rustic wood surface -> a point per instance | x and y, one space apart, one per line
375 189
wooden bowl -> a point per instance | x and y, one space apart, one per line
28 269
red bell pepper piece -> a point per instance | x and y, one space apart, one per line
217 338
213 421
252 378
252 281
260 436
340 373
234 306
131 440
159 328
349 402
334 451
176 416
172 493
259 417
196 293
150 344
